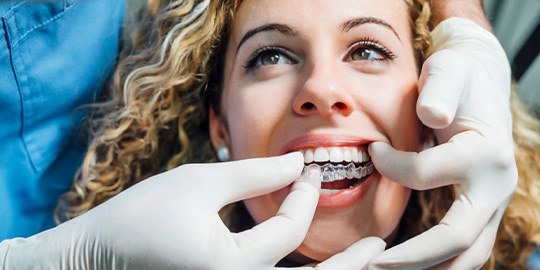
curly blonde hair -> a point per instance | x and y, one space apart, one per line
154 118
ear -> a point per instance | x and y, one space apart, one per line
219 134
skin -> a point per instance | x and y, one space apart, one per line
470 9
322 86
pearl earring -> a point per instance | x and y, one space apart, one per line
223 153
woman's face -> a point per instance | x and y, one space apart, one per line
326 78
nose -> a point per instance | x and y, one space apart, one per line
323 92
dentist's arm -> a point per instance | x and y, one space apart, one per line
469 9
171 221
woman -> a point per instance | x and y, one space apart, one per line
326 86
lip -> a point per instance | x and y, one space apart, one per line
325 140
342 199
348 196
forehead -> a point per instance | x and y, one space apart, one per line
318 15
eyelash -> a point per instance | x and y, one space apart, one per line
369 43
252 60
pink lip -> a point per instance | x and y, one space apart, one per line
325 140
342 199
347 196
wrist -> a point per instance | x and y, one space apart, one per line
469 9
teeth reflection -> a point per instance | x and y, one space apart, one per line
340 172
308 156
329 191
350 171
354 155
327 173
336 155
347 155
321 155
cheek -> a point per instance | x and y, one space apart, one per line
396 114
254 114
390 203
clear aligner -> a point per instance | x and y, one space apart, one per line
330 172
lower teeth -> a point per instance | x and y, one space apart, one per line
329 191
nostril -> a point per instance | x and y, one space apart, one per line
308 106
340 106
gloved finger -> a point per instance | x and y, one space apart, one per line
356 256
474 257
435 167
295 268
477 255
227 182
443 78
280 235
310 266
457 232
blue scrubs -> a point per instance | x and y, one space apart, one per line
54 57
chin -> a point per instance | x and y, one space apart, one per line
334 230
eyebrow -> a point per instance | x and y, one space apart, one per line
355 22
289 31
282 28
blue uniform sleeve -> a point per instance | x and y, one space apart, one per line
55 56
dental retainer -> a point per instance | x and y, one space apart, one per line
331 172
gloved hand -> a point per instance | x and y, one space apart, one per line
354 257
170 221
464 96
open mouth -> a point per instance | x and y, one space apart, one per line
341 167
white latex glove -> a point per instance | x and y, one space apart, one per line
464 96
354 257
170 221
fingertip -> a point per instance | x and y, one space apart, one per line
248 178
296 156
356 256
377 148
377 242
294 159
309 183
311 176
443 79
434 116
373 243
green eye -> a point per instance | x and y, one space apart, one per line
273 58
267 56
370 50
366 54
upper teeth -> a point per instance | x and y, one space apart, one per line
335 154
